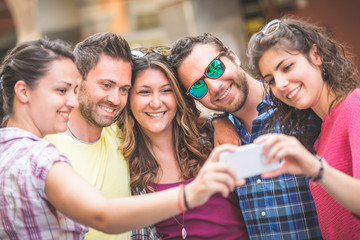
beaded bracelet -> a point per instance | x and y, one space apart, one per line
320 176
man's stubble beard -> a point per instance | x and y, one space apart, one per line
243 86
86 109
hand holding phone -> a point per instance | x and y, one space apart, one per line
248 160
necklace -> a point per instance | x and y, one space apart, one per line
183 230
72 134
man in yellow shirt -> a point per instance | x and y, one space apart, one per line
91 142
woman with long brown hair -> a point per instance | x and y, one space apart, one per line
166 149
309 72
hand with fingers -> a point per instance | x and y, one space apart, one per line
296 159
213 177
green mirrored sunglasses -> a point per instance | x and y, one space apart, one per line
214 70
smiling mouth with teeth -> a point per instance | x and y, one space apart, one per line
107 109
64 114
156 114
294 92
225 94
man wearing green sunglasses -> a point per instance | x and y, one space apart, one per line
275 208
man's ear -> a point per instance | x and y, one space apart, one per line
234 57
21 91
314 55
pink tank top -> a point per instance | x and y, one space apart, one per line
219 218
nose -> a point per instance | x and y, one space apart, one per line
114 97
213 85
281 82
155 101
72 101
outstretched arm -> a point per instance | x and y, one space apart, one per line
78 200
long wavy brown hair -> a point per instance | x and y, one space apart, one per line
340 74
192 147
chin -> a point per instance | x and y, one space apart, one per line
60 129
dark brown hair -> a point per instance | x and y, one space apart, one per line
341 75
88 52
182 47
28 61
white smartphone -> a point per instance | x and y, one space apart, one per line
248 160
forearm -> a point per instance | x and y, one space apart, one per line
225 132
343 188
80 201
143 210
125 214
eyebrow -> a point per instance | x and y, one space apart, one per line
276 68
147 86
114 83
67 83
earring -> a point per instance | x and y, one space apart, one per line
325 74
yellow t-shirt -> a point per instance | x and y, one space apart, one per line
101 164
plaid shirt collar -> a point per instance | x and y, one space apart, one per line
258 124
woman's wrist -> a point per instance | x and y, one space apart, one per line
182 199
193 196
180 202
313 168
186 203
319 174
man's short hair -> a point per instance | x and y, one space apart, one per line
182 47
88 52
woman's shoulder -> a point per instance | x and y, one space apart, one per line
348 108
27 148
355 94
352 101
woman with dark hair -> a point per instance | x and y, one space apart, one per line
41 196
166 149
308 72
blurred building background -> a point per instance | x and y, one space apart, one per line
160 22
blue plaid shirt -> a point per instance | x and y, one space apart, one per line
275 208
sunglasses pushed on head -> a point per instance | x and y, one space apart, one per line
142 52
